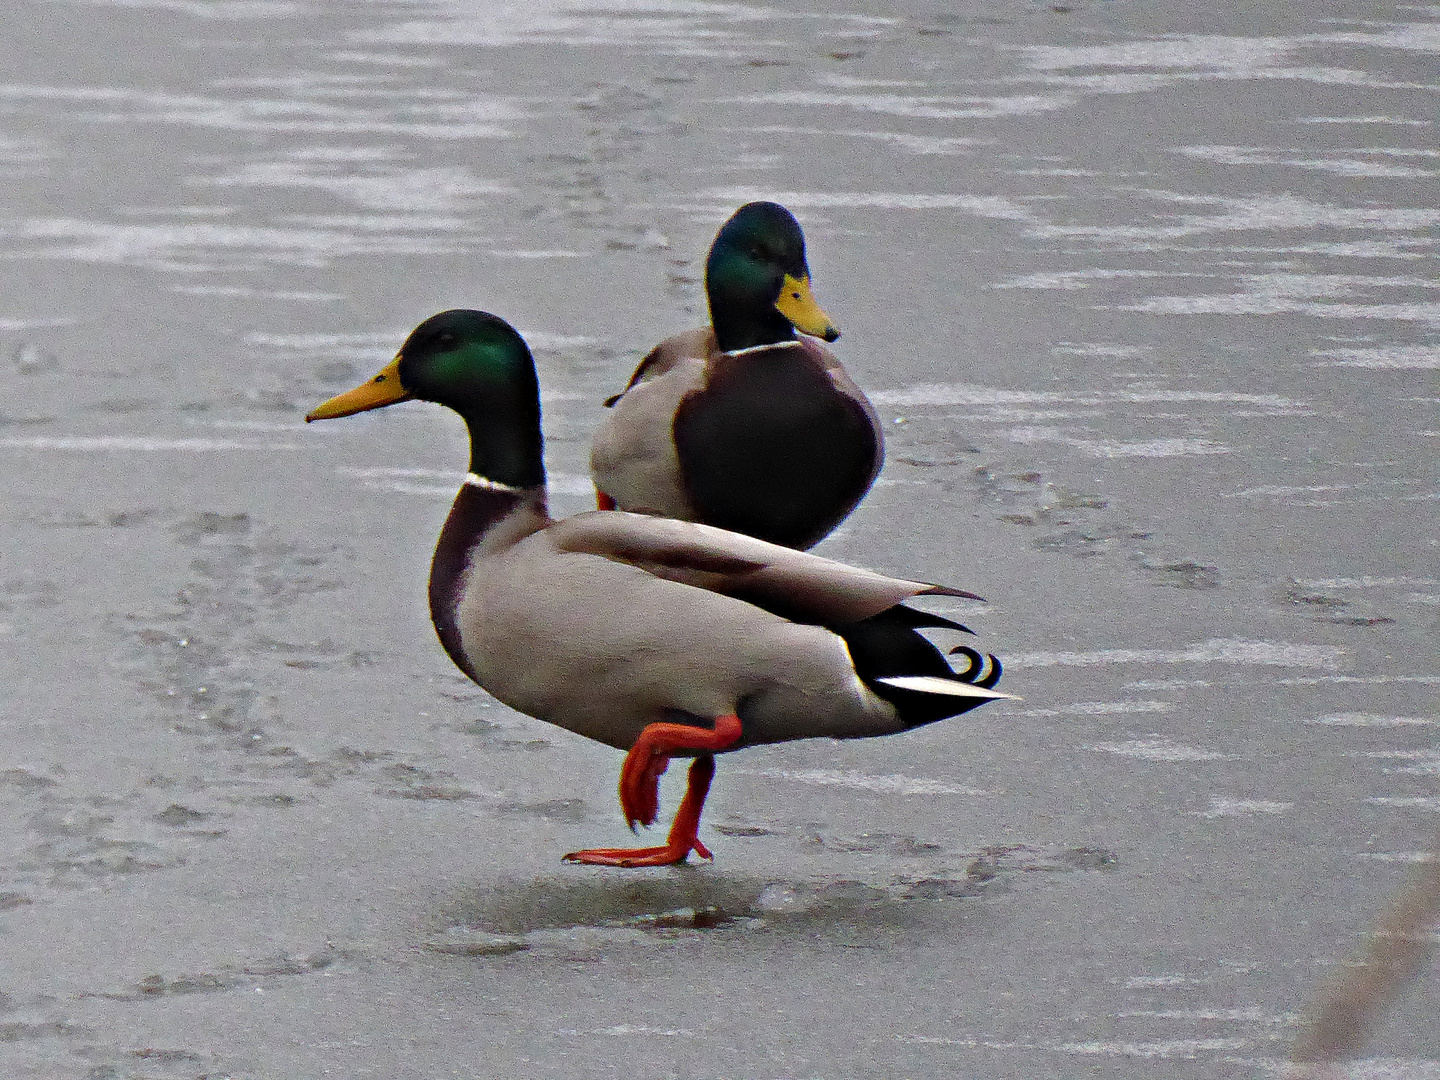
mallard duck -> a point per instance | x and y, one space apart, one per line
658 637
744 425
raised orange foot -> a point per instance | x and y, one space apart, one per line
640 792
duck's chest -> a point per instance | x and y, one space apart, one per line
778 390
771 447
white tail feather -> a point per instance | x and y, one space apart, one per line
935 684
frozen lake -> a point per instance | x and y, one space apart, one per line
1147 296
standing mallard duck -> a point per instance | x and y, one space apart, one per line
659 637
745 426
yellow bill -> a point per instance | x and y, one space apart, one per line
798 305
383 389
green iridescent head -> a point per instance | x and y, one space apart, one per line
758 282
478 365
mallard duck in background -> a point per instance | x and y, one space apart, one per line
745 426
659 637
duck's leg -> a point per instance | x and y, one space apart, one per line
640 791
603 501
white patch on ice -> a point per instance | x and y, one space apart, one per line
1365 581
1425 762
1214 651
1253 304
1253 1015
1371 720
985 206
1157 749
1100 708
626 1030
1407 802
1258 213
1071 280
1383 358
1162 1048
1164 684
928 107
1368 680
35 324
967 1042
1149 448
915 144
1149 982
1251 155
1401 121
1286 489
133 442
892 784
1241 808
1410 857
974 395
1364 1069
387 473
537 254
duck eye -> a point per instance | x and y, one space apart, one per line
447 339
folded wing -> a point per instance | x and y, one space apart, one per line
793 584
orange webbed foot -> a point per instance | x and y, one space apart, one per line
665 855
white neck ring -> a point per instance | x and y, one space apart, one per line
484 482
794 343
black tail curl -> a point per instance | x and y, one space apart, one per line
976 674
889 645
